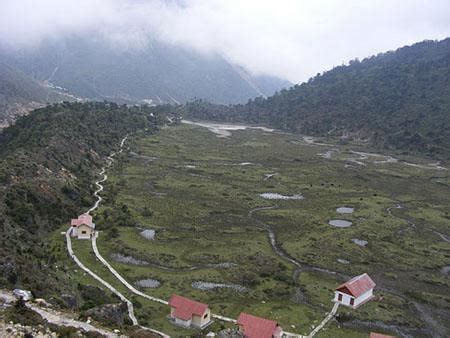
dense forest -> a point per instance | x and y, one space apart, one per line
48 161
397 100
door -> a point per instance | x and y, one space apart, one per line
340 297
352 301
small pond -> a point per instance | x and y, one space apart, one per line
127 259
148 234
340 223
275 196
345 210
343 261
206 286
148 283
359 242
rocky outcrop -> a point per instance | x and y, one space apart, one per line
111 314
230 333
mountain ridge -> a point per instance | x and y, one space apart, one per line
157 73
399 100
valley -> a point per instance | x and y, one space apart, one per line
240 221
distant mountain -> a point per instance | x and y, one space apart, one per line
19 94
161 73
396 100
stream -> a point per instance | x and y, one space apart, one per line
299 266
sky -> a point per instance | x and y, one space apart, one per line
291 39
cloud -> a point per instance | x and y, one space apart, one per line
293 39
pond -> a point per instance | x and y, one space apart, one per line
148 283
224 130
206 286
340 223
148 234
359 242
127 259
345 210
446 270
343 261
275 196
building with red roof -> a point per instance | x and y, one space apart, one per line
189 313
83 227
356 291
257 327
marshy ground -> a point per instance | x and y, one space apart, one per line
206 198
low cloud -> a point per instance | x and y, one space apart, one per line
292 39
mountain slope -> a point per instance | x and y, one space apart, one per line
398 100
93 69
48 160
20 94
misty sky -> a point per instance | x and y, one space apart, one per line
293 39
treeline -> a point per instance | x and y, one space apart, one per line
48 161
396 100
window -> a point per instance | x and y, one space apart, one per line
205 316
83 232
352 301
340 297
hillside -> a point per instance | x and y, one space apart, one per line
20 94
396 100
161 73
48 162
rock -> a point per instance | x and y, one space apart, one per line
230 333
112 314
70 301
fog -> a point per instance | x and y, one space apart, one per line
292 39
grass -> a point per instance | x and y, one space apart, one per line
190 187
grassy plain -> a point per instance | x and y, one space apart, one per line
196 190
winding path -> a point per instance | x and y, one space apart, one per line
90 272
105 262
325 321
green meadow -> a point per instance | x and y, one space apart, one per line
197 191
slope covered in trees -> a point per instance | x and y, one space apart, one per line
19 94
48 161
396 100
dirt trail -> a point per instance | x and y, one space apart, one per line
56 317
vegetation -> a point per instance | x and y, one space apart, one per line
20 94
396 100
200 189
47 168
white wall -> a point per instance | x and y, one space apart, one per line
363 297
346 298
185 323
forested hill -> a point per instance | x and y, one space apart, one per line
20 94
48 162
398 100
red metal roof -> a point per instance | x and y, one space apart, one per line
256 327
185 308
357 285
83 219
379 335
